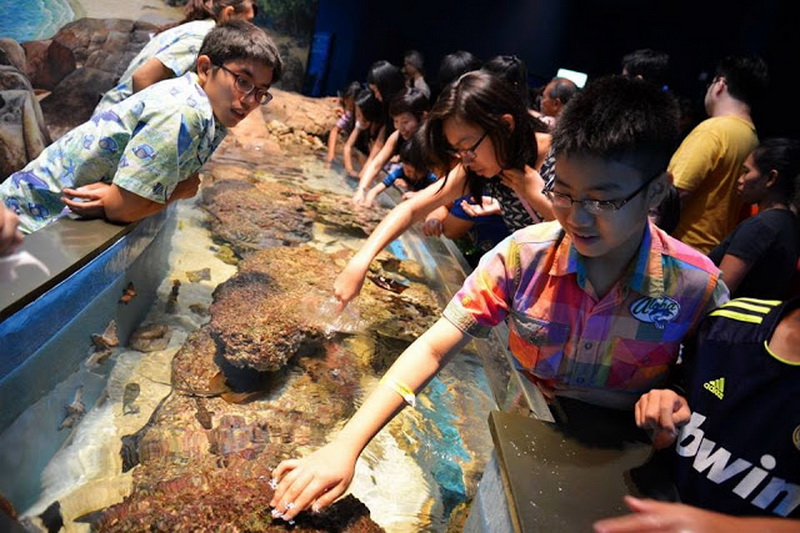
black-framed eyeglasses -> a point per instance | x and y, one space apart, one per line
594 207
245 86
469 153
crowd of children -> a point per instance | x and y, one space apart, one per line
599 299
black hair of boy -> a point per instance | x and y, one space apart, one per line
369 105
621 119
238 40
455 65
746 77
411 152
411 101
650 65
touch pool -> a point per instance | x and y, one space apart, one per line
247 297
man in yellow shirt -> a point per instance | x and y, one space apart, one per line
709 161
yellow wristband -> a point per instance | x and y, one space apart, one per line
402 389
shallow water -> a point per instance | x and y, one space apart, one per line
412 477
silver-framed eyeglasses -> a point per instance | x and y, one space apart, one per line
468 153
594 207
245 86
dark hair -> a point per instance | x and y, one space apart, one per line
512 70
412 152
621 119
651 65
783 156
352 90
563 89
482 99
456 64
411 101
746 77
415 59
244 41
203 9
387 78
369 105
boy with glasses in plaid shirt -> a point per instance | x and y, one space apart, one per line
597 301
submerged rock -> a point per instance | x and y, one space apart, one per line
150 338
265 314
253 216
229 498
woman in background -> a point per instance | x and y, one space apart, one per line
759 258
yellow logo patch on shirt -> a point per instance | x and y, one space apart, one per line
716 387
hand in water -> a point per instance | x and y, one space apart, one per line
359 197
334 317
349 282
315 481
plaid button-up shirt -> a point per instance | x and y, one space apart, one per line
607 350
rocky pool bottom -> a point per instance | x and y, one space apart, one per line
241 363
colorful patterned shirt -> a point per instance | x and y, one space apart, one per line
605 351
145 145
176 49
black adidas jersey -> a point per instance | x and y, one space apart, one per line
740 453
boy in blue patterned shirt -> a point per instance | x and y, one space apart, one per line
130 161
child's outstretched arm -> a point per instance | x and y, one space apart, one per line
650 516
373 193
347 152
319 479
373 166
150 72
115 204
333 136
348 283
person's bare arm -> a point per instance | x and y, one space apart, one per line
348 283
373 193
734 271
454 227
650 516
152 71
347 153
333 136
116 204
319 479
376 147
375 164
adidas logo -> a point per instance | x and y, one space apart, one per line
716 387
